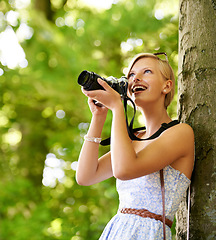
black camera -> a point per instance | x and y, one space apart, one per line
89 82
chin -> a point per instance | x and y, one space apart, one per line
138 102
141 102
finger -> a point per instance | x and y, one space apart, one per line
83 90
89 94
95 94
104 84
90 100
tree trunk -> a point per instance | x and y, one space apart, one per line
197 90
45 7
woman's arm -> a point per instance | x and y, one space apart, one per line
90 170
174 147
121 145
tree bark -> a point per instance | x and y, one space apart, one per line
196 94
45 7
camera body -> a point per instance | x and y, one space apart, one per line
89 82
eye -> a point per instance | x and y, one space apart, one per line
147 71
131 75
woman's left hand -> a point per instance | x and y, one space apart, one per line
109 98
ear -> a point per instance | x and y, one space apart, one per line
167 86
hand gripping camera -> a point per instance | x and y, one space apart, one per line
89 82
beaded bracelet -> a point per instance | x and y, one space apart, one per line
92 139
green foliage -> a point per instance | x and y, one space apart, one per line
43 111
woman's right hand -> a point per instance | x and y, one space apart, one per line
96 110
90 169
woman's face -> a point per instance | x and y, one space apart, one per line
145 82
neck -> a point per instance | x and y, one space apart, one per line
154 117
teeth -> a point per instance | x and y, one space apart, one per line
138 88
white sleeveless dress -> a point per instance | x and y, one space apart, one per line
145 192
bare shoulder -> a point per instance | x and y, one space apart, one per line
181 130
185 127
183 142
180 138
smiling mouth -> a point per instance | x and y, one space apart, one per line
138 88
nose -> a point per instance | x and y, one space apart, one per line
136 77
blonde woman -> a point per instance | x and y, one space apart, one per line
137 165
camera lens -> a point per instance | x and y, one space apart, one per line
83 78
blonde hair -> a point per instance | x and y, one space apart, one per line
165 69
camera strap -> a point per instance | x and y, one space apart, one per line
132 130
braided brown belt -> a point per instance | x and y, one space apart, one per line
146 214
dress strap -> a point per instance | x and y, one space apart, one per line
163 201
188 216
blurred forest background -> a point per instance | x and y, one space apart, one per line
44 45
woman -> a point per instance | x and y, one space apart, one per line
136 164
